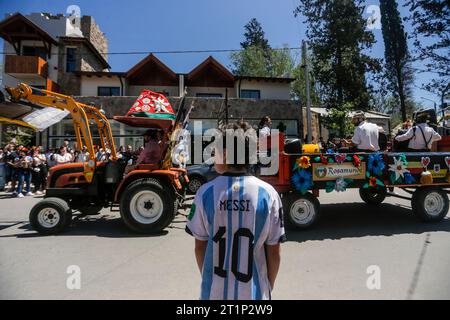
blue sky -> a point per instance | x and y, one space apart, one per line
167 25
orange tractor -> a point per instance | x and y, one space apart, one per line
148 197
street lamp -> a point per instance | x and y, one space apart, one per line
435 105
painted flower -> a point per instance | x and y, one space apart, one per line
356 161
160 105
146 108
372 182
304 162
376 163
323 159
340 158
398 168
341 185
146 100
302 180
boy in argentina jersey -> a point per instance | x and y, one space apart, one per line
237 221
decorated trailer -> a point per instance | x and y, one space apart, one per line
425 176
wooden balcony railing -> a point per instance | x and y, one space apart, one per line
26 65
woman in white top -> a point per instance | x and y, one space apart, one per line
63 156
39 171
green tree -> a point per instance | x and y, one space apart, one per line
337 120
18 135
257 58
337 36
255 36
431 22
397 69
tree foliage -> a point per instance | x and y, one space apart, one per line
397 66
431 22
338 36
257 58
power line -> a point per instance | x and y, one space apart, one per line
170 51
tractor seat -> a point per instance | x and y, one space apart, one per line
148 166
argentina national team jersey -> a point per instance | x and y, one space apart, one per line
237 215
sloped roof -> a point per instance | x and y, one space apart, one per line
17 27
151 71
210 73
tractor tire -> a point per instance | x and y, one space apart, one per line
430 204
50 216
373 196
300 211
146 207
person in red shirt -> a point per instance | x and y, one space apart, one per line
152 149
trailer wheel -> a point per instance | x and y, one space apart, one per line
146 207
373 196
430 204
50 216
301 211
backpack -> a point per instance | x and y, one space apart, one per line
402 146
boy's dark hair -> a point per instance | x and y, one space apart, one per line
241 136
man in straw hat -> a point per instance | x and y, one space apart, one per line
365 137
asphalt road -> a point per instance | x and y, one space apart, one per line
329 262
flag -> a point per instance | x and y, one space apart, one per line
152 105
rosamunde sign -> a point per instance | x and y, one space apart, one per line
332 171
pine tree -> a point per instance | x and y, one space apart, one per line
257 58
397 60
337 37
254 36
431 22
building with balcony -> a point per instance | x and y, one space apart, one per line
69 56
45 50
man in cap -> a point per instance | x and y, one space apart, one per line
365 137
421 136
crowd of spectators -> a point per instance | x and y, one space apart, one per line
26 168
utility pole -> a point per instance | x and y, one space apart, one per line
308 96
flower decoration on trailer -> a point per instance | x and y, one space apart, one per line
398 169
376 164
425 161
340 185
373 182
447 162
323 159
302 180
357 160
340 158
304 162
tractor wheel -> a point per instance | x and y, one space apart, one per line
373 196
50 216
301 211
430 204
146 207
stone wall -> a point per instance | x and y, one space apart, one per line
68 82
92 32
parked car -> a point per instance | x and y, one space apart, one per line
198 175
